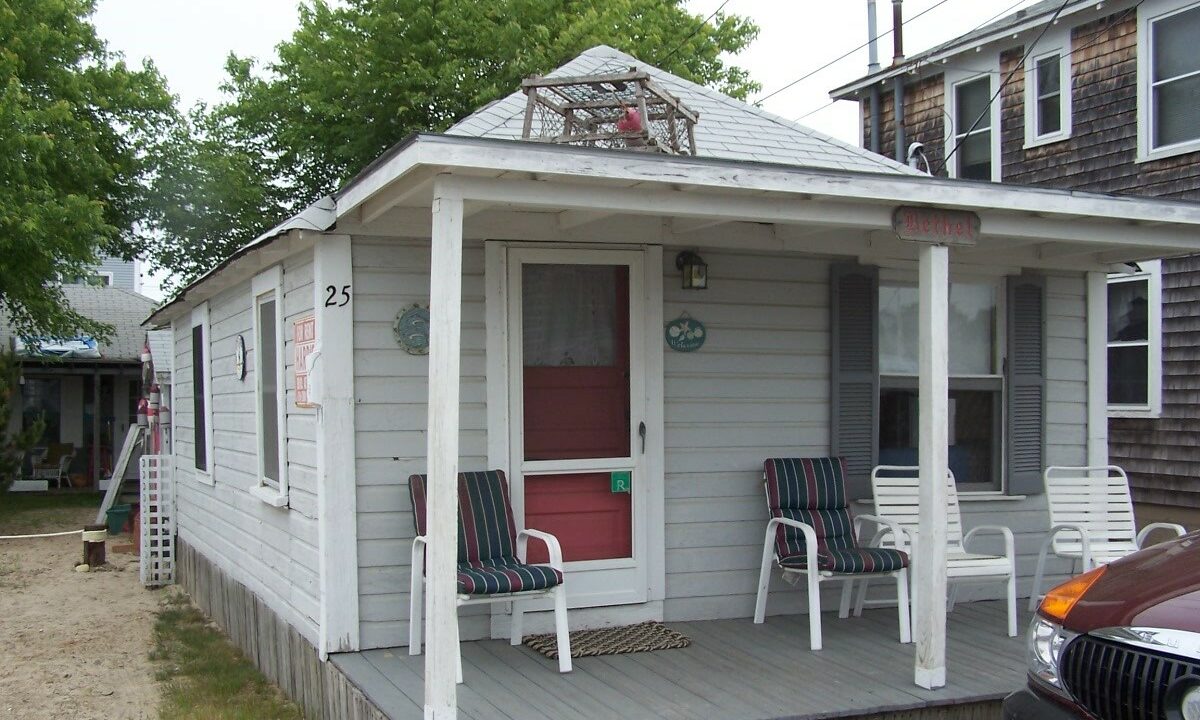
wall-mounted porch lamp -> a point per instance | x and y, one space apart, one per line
695 271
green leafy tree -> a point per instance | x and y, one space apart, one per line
358 76
78 132
13 449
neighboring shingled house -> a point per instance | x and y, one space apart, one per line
88 402
1101 97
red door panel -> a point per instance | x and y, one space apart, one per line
590 521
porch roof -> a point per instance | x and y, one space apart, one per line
559 192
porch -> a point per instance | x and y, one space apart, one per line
733 670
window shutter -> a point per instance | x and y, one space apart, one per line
1025 367
854 372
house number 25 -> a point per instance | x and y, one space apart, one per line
336 300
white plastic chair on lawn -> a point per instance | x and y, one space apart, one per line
1091 519
810 527
897 498
491 560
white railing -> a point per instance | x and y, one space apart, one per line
158 520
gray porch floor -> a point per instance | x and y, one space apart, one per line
733 670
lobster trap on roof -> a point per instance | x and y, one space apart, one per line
624 110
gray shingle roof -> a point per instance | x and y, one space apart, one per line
123 309
728 128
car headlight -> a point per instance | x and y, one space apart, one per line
1045 643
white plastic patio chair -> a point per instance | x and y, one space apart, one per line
1091 519
897 496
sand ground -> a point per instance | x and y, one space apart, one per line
74 645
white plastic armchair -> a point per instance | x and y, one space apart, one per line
1091 519
896 490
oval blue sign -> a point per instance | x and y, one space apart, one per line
685 334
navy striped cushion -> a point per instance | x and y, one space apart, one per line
486 530
812 491
505 575
852 560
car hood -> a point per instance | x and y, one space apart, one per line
1158 587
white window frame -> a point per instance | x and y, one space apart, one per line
1056 43
106 276
200 318
952 81
1148 14
892 277
1151 271
267 286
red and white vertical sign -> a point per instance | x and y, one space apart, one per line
304 335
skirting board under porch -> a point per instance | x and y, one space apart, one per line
275 648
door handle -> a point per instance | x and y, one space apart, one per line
642 435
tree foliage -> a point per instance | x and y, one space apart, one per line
358 76
78 137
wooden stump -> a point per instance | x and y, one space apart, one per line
93 544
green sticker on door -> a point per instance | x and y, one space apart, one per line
620 480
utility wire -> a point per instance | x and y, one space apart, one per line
687 39
993 18
846 55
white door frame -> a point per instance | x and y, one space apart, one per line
503 397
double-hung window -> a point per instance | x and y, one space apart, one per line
972 136
1168 82
270 394
1048 91
1135 342
202 403
976 384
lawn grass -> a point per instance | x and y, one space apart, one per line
205 677
22 513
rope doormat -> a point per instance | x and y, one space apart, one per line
643 637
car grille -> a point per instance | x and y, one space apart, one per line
1118 682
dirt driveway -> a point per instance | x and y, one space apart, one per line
74 645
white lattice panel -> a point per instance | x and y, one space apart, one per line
158 520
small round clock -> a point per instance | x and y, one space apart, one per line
412 330
239 358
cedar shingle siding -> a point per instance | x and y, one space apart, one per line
1162 456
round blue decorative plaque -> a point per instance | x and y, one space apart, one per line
685 334
412 330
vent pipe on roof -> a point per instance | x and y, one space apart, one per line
872 68
898 82
872 39
897 31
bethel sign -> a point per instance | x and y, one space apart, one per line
935 226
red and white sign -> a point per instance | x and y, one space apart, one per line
936 226
304 335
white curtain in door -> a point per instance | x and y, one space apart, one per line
568 315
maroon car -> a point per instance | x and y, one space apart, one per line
1121 642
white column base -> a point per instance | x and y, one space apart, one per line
930 679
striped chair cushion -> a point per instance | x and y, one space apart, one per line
486 530
813 491
505 576
852 560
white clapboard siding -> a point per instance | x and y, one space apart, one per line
758 388
272 551
391 389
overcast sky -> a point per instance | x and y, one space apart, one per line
189 39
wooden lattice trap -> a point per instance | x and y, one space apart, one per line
622 110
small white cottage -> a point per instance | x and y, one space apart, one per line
627 323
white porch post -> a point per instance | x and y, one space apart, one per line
445 312
1097 368
930 621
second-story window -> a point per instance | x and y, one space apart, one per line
1170 70
973 129
1049 95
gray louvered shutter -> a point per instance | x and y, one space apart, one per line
1026 373
854 372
